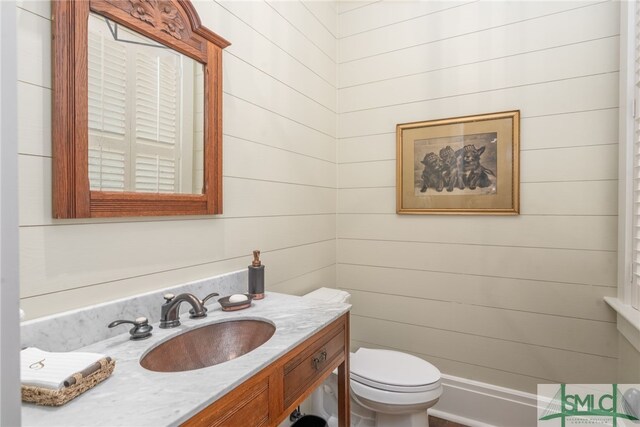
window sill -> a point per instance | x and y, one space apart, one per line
628 320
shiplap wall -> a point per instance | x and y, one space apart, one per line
279 169
628 362
512 301
507 300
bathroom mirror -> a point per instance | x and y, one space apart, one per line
137 110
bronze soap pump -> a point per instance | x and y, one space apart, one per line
256 277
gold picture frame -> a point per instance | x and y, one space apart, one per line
463 165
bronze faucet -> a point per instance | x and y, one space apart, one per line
170 310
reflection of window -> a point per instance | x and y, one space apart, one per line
156 149
635 178
630 146
140 114
635 181
107 113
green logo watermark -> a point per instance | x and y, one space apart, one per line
591 404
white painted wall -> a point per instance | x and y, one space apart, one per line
511 301
629 362
9 285
279 169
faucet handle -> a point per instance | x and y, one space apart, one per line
208 297
192 312
168 297
141 327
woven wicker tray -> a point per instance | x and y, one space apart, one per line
48 397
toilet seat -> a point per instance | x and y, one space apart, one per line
395 388
393 371
370 396
393 378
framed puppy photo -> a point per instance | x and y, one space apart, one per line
463 165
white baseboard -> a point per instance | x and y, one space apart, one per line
479 404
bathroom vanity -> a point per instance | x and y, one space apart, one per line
270 396
260 388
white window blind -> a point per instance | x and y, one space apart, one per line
635 274
157 115
134 115
155 174
107 62
106 169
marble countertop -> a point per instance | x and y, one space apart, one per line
136 397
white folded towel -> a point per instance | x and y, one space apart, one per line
39 368
329 295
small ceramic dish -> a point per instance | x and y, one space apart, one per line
233 306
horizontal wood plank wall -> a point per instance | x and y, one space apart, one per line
279 169
628 369
512 301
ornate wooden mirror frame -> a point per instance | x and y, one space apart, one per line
173 23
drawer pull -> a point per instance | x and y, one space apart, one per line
319 359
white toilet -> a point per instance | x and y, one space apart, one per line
388 388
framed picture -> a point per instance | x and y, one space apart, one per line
462 165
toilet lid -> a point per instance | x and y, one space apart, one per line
393 370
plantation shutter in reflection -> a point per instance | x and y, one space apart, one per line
157 132
134 113
155 174
108 151
635 276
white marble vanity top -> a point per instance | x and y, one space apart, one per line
136 397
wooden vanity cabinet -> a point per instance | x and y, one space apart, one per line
268 397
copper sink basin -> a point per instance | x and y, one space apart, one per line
207 346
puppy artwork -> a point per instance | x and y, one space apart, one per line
458 164
432 174
461 165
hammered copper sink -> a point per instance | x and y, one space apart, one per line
208 345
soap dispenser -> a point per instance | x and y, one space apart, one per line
256 277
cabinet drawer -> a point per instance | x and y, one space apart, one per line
312 363
251 408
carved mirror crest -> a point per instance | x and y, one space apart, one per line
137 117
